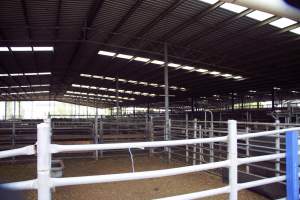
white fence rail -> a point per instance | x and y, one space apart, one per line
44 183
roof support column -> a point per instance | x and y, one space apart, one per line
117 94
273 99
5 110
166 80
242 98
232 101
14 109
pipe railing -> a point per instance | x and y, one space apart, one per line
44 183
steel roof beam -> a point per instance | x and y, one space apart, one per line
156 20
189 21
124 19
214 28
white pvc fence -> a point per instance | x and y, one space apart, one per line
44 149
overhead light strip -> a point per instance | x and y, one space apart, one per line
114 90
26 74
101 95
27 48
24 86
131 81
172 65
92 98
20 93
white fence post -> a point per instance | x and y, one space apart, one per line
44 160
233 158
277 146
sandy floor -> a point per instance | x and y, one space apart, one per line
133 190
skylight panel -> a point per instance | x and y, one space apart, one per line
283 22
124 56
226 75
4 49
143 83
202 70
131 81
214 73
44 73
237 77
17 74
85 75
188 68
21 48
98 77
106 53
31 74
43 48
259 15
233 7
154 84
109 78
157 62
210 1
141 59
174 65
296 30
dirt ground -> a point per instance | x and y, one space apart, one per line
131 190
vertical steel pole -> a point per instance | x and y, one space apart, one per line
292 165
13 139
277 146
151 134
194 146
96 136
5 110
166 80
273 99
19 109
117 95
44 160
101 139
233 158
169 138
232 101
186 137
200 145
211 134
14 109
